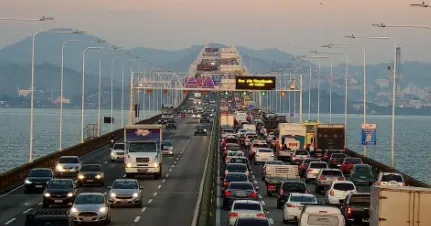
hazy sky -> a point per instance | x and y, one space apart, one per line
294 26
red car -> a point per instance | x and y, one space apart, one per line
348 164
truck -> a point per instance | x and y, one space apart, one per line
310 125
227 120
401 206
143 154
168 112
274 175
197 98
293 135
48 217
328 136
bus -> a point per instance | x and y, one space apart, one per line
310 127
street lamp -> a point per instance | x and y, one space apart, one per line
309 86
122 89
42 19
112 85
382 25
65 31
393 89
83 89
422 5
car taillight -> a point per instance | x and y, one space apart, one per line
322 178
291 206
264 169
271 186
349 212
341 178
260 215
334 160
228 194
379 183
404 184
332 193
226 183
294 156
253 195
233 214
309 170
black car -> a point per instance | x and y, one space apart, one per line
200 130
355 207
252 221
288 187
37 179
59 192
336 160
238 191
205 118
171 124
91 174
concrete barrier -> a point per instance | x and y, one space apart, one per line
15 177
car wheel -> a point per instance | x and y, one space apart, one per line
139 205
45 205
278 204
285 221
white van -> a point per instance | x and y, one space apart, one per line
317 215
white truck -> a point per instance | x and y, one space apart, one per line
400 206
143 154
197 98
293 135
240 116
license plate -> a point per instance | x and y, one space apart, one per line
89 180
241 194
58 201
38 186
142 170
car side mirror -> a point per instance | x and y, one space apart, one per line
308 191
108 187
265 211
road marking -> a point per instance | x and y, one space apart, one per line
27 210
155 194
167 175
39 204
253 176
175 163
158 187
170 169
137 219
178 159
164 180
124 175
255 182
10 221
271 221
262 202
150 201
260 196
106 162
143 209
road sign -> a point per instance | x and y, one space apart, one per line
292 114
369 136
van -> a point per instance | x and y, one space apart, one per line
318 215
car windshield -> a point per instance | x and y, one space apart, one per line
68 160
166 143
266 150
392 177
142 147
275 163
236 177
353 161
235 153
199 128
247 206
252 222
233 147
362 169
315 165
238 160
260 145
360 199
344 186
118 146
89 199
60 184
303 199
334 173
241 186
294 187
40 173
236 168
338 155
301 153
307 161
125 185
93 168
231 140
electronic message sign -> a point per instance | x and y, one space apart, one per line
255 82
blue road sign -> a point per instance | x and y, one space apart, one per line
369 136
291 114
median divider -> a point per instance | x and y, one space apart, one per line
15 177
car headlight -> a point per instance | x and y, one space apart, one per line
112 153
102 210
128 165
113 195
27 181
205 130
59 168
135 195
98 176
156 165
74 210
47 195
70 194
80 176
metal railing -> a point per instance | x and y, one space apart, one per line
90 132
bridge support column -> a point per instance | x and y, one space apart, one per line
133 93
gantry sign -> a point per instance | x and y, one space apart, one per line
255 83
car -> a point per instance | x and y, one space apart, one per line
249 137
171 124
390 179
313 215
355 208
125 192
255 144
90 207
246 208
252 221
117 152
299 155
327 155
326 176
237 167
287 187
268 163
313 169
294 204
91 174
304 166
348 164
230 147
59 192
338 190
67 166
263 154
234 177
200 130
231 154
205 118
238 159
37 179
238 191
362 174
167 148
336 160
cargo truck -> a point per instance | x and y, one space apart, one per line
328 136
293 135
143 155
227 120
400 206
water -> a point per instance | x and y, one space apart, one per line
15 126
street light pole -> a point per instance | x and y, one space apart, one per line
122 90
83 89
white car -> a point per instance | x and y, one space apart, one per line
117 152
314 169
339 191
294 205
246 208
256 144
68 166
299 155
231 154
314 215
263 154
390 179
249 138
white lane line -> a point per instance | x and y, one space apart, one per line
253 176
262 202
158 187
164 180
271 221
255 182
25 212
260 196
106 162
10 221
124 175
39 204
170 169
150 201
137 219
155 194
167 175
175 162
178 159
143 209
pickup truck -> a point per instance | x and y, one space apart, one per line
171 124
48 217
275 175
355 207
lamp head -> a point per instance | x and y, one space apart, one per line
100 41
379 25
328 46
78 32
314 51
423 5
350 36
46 18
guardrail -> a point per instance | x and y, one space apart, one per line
15 177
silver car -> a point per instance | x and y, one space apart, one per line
117 152
325 178
125 192
67 166
167 148
90 207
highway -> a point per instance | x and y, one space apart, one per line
270 203
175 193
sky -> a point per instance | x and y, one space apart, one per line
294 26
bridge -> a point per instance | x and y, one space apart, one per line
189 191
